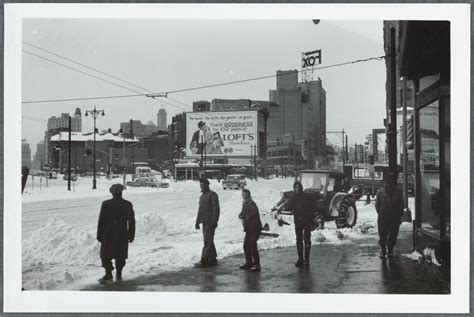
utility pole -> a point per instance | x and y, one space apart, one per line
69 155
124 163
133 147
405 147
392 124
342 152
347 152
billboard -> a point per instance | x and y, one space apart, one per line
227 133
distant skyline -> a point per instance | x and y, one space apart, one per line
165 55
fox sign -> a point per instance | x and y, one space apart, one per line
310 59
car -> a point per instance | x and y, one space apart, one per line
147 182
73 177
234 181
331 203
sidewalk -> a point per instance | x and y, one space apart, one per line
347 268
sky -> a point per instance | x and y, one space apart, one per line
161 55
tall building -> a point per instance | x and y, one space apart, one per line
39 158
161 122
230 104
25 153
140 130
301 112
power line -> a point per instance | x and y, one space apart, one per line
88 67
194 88
79 71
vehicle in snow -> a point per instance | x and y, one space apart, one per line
331 203
236 181
73 177
147 182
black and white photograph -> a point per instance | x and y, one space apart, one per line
203 152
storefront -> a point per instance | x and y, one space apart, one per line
425 59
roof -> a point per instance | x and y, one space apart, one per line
89 136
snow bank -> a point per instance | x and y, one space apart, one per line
63 254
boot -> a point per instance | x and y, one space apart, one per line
390 252
118 275
245 266
383 252
307 249
299 262
107 278
255 268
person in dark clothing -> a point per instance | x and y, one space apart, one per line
208 215
303 207
346 185
116 228
389 207
250 217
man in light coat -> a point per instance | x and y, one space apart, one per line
116 228
208 215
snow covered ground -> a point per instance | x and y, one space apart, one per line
60 250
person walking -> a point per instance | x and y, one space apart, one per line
208 215
116 228
303 207
252 224
389 207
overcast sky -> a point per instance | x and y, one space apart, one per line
166 55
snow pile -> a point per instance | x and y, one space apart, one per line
150 224
58 243
430 256
414 256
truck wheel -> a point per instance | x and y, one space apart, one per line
318 223
347 214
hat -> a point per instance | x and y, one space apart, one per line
200 124
116 189
204 181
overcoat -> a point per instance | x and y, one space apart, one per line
388 205
116 228
209 209
251 217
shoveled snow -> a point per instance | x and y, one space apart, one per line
59 227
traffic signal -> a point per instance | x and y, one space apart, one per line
410 133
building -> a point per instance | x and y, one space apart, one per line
428 41
56 124
177 136
138 129
230 104
201 105
25 154
301 112
159 155
161 121
39 158
114 152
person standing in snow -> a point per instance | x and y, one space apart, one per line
250 217
116 228
389 207
303 207
208 215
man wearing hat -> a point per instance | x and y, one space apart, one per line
389 207
116 228
208 215
198 141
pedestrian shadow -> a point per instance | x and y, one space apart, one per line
208 281
252 281
305 280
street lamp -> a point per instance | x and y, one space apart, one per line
94 113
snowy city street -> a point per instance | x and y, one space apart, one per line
59 229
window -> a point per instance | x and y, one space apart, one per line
429 164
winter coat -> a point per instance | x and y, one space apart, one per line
250 217
116 228
389 206
209 209
303 206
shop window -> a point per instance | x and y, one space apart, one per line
429 163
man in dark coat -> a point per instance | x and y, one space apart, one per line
303 206
208 215
115 230
253 227
346 185
389 207
197 142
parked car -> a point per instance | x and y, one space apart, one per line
147 182
73 177
236 181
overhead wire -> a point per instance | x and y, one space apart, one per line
205 86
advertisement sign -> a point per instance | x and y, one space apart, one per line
231 133
310 59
